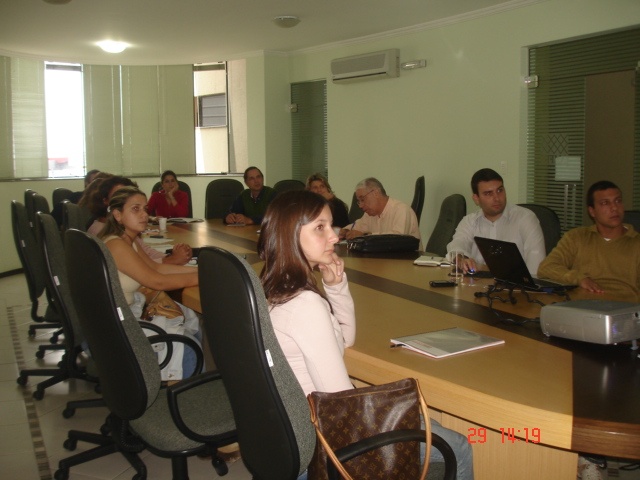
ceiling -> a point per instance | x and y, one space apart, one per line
165 32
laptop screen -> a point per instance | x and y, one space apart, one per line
505 261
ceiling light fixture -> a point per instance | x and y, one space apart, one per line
286 21
56 2
112 46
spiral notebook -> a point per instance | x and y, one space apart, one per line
447 342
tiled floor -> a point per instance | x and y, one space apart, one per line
32 432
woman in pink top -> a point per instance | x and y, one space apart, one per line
313 326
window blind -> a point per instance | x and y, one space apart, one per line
556 118
309 129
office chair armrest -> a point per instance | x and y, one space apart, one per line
159 331
169 338
395 436
173 391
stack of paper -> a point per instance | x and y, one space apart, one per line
443 343
432 261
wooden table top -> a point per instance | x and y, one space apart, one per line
583 397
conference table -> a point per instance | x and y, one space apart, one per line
528 406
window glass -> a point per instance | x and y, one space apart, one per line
65 120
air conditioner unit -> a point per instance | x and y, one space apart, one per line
384 64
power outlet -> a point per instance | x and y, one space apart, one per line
503 167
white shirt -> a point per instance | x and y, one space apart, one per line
516 224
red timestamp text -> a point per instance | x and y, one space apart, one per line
507 435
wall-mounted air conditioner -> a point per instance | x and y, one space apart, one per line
384 64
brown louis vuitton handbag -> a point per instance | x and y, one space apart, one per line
381 414
157 302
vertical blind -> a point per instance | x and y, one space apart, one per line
138 119
556 118
309 129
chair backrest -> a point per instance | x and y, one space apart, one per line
28 252
453 208
57 278
59 194
289 184
220 194
549 222
275 433
126 364
418 197
34 202
184 187
632 217
355 212
74 216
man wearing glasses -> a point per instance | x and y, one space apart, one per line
382 214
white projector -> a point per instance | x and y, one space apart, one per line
595 321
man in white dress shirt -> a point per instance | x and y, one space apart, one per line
498 221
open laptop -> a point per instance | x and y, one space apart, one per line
507 266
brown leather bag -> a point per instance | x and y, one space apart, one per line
159 303
342 418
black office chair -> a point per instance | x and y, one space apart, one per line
290 184
59 194
75 216
56 278
453 208
355 212
275 434
632 217
184 187
34 202
191 417
30 256
219 196
418 197
549 222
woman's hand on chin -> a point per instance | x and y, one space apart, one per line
332 271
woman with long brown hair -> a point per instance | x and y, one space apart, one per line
314 327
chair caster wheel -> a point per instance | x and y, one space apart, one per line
68 412
38 394
105 430
40 354
220 466
32 332
61 474
53 340
70 444
22 380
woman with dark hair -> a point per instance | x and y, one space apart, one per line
313 328
98 203
170 201
319 184
126 220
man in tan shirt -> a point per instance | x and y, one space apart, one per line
382 214
601 258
